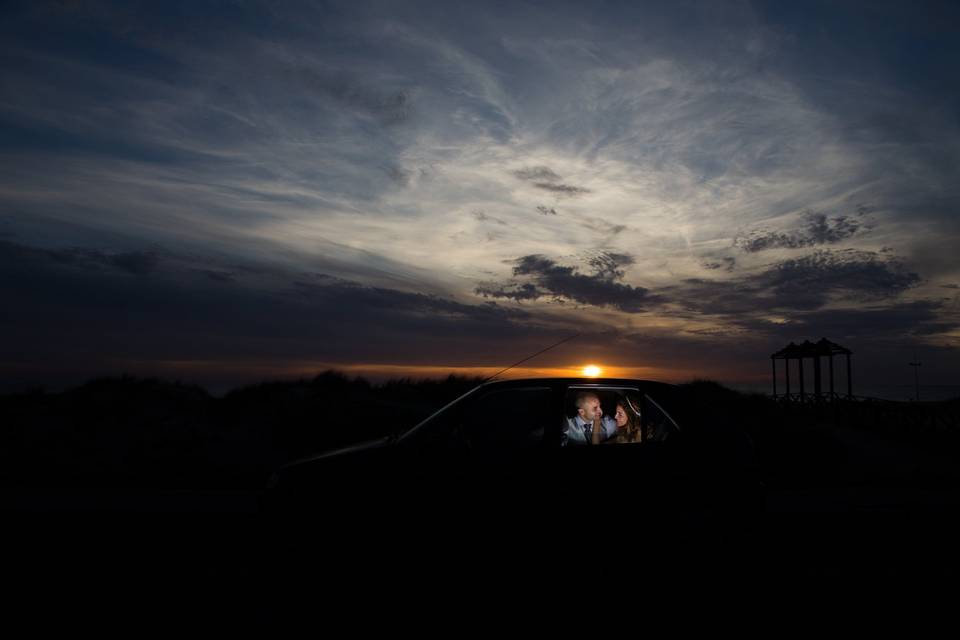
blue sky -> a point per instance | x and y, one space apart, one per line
227 191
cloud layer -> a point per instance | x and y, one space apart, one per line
385 173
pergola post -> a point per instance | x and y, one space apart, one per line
773 365
849 379
831 376
816 378
803 393
786 361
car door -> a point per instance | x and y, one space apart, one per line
610 479
488 448
505 434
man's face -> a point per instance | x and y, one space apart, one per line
590 408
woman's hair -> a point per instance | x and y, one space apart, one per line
631 407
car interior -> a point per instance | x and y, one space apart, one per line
626 416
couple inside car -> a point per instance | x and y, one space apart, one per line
589 425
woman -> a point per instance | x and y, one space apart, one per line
627 418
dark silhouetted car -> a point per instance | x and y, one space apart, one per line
503 453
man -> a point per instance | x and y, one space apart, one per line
589 426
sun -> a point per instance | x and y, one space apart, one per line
591 371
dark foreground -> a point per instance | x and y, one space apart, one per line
169 560
857 506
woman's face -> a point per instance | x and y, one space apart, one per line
620 416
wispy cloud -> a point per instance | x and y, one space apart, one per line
719 161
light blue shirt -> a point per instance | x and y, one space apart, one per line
575 429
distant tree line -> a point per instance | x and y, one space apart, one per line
131 432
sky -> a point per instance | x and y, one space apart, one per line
226 192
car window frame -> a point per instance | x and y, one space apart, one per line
453 414
640 390
453 410
555 402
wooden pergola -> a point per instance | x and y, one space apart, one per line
814 350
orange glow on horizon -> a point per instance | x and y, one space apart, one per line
308 369
592 371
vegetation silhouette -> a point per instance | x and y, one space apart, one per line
130 432
144 432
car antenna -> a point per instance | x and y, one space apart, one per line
556 344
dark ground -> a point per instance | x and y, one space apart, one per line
136 501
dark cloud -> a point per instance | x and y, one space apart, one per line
602 226
312 278
712 349
139 263
818 229
539 174
358 298
896 322
607 264
136 262
518 292
175 272
725 263
561 189
399 175
716 297
121 323
217 276
483 217
537 276
386 105
716 332
548 180
950 286
860 275
804 283
547 211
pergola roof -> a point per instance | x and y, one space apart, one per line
808 349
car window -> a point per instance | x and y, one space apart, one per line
613 415
658 425
441 430
509 419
